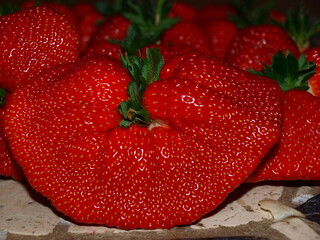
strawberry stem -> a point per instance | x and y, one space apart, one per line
288 71
143 72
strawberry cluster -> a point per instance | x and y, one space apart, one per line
147 114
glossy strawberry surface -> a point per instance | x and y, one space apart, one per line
200 145
254 46
27 49
296 156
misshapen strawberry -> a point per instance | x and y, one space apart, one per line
296 156
33 40
154 173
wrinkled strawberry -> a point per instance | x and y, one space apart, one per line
33 40
202 144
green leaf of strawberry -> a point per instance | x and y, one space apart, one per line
143 73
148 21
299 27
288 71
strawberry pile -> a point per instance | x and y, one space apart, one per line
148 114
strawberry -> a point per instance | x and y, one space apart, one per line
8 166
254 46
27 49
220 33
183 11
313 55
137 26
216 11
189 34
146 172
296 156
87 19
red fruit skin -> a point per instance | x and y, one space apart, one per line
313 55
8 166
26 49
158 177
254 46
189 34
220 33
87 18
114 28
217 11
60 8
183 11
296 156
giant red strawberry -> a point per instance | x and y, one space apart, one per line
254 46
297 155
33 40
182 146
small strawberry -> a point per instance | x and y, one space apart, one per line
254 46
87 19
313 55
220 33
296 156
26 49
146 172
183 11
216 11
189 34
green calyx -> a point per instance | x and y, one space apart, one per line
288 71
299 27
250 13
143 72
149 19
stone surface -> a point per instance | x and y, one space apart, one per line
21 214
24 215
296 229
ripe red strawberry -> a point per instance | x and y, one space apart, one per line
27 49
60 8
216 11
87 18
114 28
296 156
161 173
183 11
189 34
254 46
220 33
313 55
8 166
